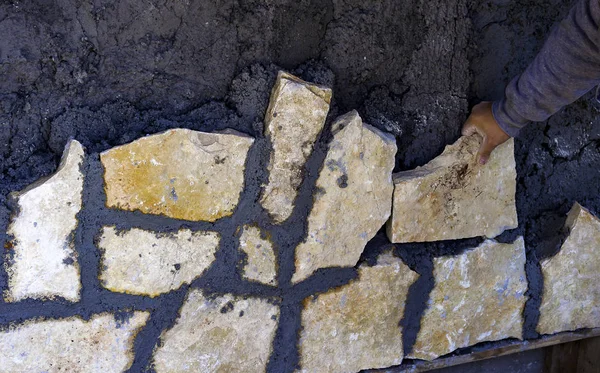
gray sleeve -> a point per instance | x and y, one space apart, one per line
565 69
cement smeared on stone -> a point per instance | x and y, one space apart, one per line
179 173
44 262
453 196
142 262
261 264
571 295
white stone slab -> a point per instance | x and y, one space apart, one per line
261 265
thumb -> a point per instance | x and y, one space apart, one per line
485 150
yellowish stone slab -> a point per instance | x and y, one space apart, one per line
295 117
149 263
179 173
571 297
44 261
478 296
356 326
454 197
353 197
100 345
261 264
222 334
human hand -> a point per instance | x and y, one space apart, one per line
482 121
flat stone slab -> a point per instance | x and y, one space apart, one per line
261 264
571 297
100 345
137 261
222 334
478 296
454 197
352 199
43 260
295 117
356 326
148 174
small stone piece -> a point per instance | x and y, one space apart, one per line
222 334
356 326
44 261
101 345
353 197
179 173
261 266
478 296
149 263
571 297
455 197
295 117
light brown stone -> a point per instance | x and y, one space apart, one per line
261 265
453 196
295 117
222 334
148 263
353 197
571 297
44 261
179 173
478 296
356 326
100 345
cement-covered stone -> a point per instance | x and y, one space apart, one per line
478 296
43 262
454 197
356 326
149 263
352 198
261 264
571 296
179 173
218 334
295 117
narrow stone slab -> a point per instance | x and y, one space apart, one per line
261 265
453 196
478 296
179 173
222 334
571 297
149 263
356 326
101 345
352 199
44 261
295 117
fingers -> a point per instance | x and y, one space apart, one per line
485 150
469 127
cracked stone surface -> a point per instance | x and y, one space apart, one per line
147 174
454 197
102 344
222 334
478 296
261 265
356 326
293 121
149 263
43 261
353 197
571 296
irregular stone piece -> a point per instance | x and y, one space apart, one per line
353 197
356 326
478 296
44 261
571 297
179 173
222 334
295 117
103 344
453 196
149 263
261 265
